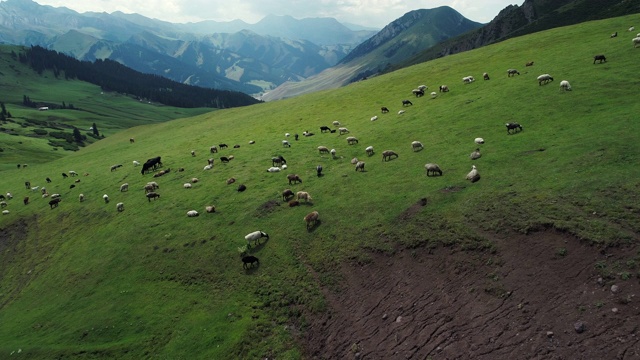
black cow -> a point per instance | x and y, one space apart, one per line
151 164
325 128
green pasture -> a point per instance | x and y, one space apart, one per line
84 281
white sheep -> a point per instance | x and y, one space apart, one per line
55 196
284 166
287 134
336 123
210 209
208 167
194 180
632 28
544 78
479 140
374 118
636 41
417 145
303 195
120 207
354 161
192 213
475 155
73 173
473 175
255 237
273 169
360 166
285 143
105 197
352 140
81 197
35 188
124 187
564 85
434 94
433 169
136 163
468 79
333 153
3 204
187 185
400 112
422 87
369 150
343 130
5 212
9 195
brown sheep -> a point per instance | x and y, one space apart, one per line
152 195
231 180
294 178
303 195
387 154
286 194
293 203
311 219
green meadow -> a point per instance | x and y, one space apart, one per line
84 281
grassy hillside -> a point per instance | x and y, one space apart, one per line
84 281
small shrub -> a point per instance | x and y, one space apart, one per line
40 131
562 252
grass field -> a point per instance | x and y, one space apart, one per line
84 281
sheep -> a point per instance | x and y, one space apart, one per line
433 168
242 187
207 167
249 259
54 202
319 170
544 78
293 203
434 94
150 186
475 155
333 153
187 185
406 103
513 126
284 166
416 146
35 188
223 146
286 194
152 195
231 180
369 150
285 143
444 88
387 154
73 173
478 140
3 204
2 197
352 140
360 165
615 34
294 178
287 134
43 190
120 207
194 180
384 110
132 140
210 209
303 195
124 187
213 149
336 123
324 128
45 195
342 130
564 85
210 161
9 196
273 169
307 133
400 112
224 159
105 197
512 72
251 142
468 79
632 28
473 175
418 92
600 58
354 161
27 184
485 76
323 149
192 213
311 219
530 63
5 212
48 180
374 118
81 197
113 168
255 237
136 163
25 200
55 196
422 87
636 41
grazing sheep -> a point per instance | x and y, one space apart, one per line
632 28
242 188
323 149
48 180
564 85
307 133
354 161
406 103
25 200
284 167
473 175
374 118
136 163
273 169
54 202
418 92
416 146
513 126
294 178
303 195
324 128
433 168
423 87
400 112
224 159
544 78
444 88
192 213
187 185
105 197
124 187
73 173
2 197
468 79
293 203
113 168
3 204
475 155
600 58
615 34
285 143
35 188
71 186
384 110
231 180
636 41
478 140
210 161
333 153
236 146
132 140
319 170
27 184
64 175
311 219
207 167
251 142
223 146
387 154
45 195
213 149
287 134
255 237
194 180
54 196
120 207
81 197
150 186
530 63
5 212
342 130
43 190
286 194
360 166
336 123
210 209
369 150
296 137
485 76
512 72
249 259
152 195
352 140
9 196
434 94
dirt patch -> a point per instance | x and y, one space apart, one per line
268 207
413 209
451 189
524 300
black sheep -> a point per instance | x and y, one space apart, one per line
249 260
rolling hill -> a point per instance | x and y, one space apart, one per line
539 258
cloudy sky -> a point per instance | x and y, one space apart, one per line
374 13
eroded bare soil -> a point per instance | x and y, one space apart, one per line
540 296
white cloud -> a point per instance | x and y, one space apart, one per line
375 13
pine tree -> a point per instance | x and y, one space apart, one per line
95 129
77 135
